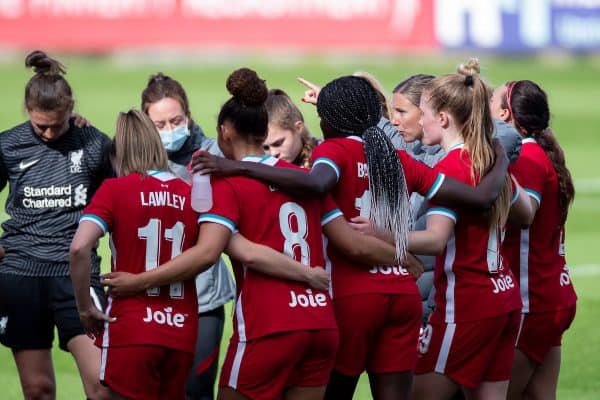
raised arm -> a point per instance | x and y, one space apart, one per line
273 263
320 180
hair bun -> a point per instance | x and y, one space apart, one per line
42 64
157 78
247 88
472 67
278 92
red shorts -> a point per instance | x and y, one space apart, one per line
146 371
539 332
263 368
379 333
471 352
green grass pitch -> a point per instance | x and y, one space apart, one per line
103 87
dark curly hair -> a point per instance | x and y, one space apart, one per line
246 108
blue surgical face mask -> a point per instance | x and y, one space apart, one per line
173 140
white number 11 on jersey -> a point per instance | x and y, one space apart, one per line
151 233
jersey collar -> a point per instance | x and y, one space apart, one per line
455 147
353 137
527 140
162 176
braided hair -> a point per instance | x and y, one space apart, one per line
350 106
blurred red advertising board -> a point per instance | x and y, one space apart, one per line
306 25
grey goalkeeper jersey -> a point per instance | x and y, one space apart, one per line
49 185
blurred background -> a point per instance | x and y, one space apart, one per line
111 47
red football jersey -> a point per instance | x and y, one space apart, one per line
150 221
536 255
347 157
265 215
471 279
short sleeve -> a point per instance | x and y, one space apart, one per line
329 210
530 174
100 210
419 177
225 209
331 154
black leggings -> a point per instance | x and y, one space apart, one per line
201 382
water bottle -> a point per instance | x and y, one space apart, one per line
201 192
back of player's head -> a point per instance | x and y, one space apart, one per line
138 147
384 100
349 105
161 86
47 90
412 87
246 108
465 96
528 105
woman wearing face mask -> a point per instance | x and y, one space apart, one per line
166 103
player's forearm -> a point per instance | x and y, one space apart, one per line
183 267
79 268
291 181
270 262
357 246
426 243
455 193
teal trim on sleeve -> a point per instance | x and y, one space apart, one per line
95 219
218 220
330 162
443 211
436 186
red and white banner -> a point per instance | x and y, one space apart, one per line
307 25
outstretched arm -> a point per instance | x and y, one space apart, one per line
212 239
365 227
453 192
273 263
363 248
318 181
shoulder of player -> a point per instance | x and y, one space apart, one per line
531 154
90 135
335 144
454 165
17 130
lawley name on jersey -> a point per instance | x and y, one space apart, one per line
161 199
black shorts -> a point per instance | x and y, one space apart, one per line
30 307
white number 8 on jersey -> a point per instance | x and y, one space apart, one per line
294 239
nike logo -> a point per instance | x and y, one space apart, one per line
23 166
